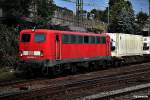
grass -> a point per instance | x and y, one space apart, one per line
6 74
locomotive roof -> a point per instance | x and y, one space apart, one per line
64 32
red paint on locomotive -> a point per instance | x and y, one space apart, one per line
42 44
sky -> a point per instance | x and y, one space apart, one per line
138 5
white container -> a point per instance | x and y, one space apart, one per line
146 45
126 44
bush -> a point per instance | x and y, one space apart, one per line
8 45
6 74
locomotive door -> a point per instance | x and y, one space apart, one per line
58 48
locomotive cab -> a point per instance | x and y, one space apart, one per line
35 50
31 45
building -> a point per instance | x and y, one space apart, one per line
66 17
63 16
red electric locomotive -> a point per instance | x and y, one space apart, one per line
53 50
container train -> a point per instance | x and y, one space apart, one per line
54 51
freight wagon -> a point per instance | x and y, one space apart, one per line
126 48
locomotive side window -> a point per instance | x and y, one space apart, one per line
73 39
103 40
86 39
65 38
92 39
97 39
80 39
39 37
25 37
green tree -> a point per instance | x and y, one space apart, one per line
15 7
121 16
14 10
98 14
45 10
9 45
104 17
141 19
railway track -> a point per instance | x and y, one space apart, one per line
81 85
102 74
12 82
138 92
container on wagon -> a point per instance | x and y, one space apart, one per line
126 44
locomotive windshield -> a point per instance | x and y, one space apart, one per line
26 37
39 37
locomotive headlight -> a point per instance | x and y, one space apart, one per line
38 53
25 53
31 53
20 53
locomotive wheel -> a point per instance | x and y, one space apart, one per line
91 66
56 70
45 71
29 73
24 72
73 69
96 66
